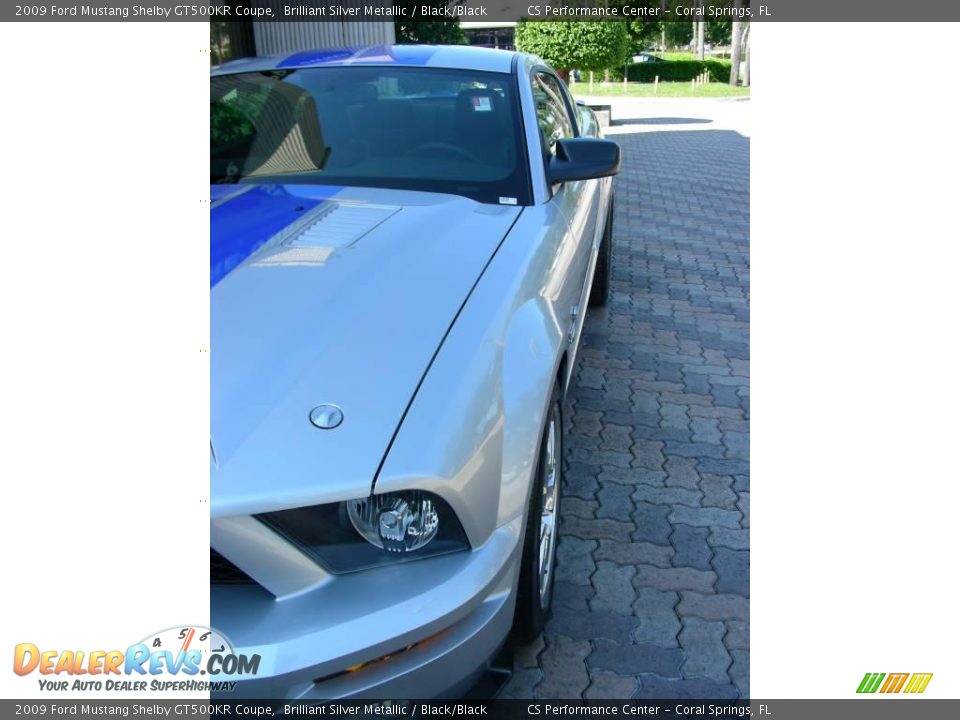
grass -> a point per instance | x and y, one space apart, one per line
665 89
677 55
680 55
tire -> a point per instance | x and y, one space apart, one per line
601 273
535 589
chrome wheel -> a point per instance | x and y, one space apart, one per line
550 491
537 565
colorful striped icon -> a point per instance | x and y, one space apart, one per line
894 682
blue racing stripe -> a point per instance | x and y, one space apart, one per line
308 58
219 192
412 55
240 226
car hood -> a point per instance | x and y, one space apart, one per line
325 295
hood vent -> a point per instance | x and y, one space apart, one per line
330 226
337 224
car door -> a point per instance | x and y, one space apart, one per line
576 201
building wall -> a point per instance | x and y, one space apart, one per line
285 37
498 35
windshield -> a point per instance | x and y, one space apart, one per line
450 131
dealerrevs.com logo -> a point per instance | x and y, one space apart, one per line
174 659
910 683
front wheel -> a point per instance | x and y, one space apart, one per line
601 274
535 591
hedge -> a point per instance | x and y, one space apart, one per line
674 70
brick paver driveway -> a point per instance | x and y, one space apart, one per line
652 591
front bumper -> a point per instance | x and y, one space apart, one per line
417 630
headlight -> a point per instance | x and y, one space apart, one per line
398 523
372 531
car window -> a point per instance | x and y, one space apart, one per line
437 130
552 118
573 113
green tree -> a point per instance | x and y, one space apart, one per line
433 32
718 31
643 35
679 33
580 45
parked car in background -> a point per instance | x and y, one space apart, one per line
404 242
646 57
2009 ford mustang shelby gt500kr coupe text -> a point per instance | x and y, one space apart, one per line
404 241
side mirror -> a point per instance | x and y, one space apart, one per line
583 158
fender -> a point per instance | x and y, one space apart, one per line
531 365
472 433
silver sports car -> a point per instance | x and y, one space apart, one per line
404 242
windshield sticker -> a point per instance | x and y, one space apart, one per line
508 201
481 103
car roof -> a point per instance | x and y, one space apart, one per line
458 57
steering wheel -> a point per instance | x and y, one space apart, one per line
432 148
